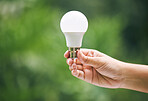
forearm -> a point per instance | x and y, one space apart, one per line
135 77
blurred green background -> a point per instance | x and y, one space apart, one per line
32 66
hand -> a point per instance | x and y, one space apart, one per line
96 68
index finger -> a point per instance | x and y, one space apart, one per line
67 54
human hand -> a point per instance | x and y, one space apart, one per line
96 68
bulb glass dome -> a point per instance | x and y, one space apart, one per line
74 21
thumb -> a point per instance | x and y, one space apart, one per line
91 61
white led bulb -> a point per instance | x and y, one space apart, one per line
74 24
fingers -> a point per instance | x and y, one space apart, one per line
79 67
94 53
81 58
91 61
70 61
76 61
66 54
84 59
78 73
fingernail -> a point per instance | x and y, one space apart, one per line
74 72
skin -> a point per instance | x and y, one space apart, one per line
102 70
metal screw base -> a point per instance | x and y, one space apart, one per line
73 52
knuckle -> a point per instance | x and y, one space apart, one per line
86 60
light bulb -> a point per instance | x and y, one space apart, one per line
74 24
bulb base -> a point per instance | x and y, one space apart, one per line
73 52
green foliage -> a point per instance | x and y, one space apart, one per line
32 66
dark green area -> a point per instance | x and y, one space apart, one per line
32 66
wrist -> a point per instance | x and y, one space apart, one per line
134 77
125 75
130 78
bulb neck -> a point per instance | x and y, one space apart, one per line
74 39
73 52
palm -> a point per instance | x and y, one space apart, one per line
92 76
